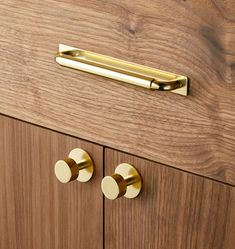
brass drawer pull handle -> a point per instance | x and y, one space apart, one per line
78 166
126 181
124 71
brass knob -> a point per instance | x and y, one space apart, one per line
78 166
126 181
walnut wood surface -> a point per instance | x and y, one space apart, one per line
174 210
194 38
36 210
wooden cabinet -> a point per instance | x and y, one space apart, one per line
183 146
36 210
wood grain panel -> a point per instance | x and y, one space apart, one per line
36 210
195 38
174 210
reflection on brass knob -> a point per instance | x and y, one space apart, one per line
78 166
126 181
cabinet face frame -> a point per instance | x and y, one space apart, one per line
175 209
36 210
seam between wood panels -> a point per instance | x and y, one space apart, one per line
107 147
103 198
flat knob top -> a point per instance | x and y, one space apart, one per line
113 186
65 170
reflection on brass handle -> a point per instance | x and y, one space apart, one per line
78 166
124 71
126 181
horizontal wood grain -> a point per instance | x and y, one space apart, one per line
174 210
193 38
36 210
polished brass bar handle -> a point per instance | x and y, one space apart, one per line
120 70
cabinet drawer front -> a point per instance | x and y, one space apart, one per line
174 210
194 133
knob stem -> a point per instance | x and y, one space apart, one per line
131 179
82 164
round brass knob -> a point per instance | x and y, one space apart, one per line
78 166
126 181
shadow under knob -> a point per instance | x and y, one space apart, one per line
126 181
78 166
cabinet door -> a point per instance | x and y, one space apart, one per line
36 210
174 210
